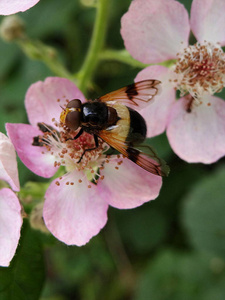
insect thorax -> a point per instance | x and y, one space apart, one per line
95 114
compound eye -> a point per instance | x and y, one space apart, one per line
72 120
75 103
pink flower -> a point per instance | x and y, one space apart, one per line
76 204
156 31
8 7
10 209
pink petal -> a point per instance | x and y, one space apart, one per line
157 113
129 186
10 225
41 99
198 136
8 163
22 136
154 30
8 7
207 20
74 213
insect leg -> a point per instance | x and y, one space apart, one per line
90 149
42 140
79 134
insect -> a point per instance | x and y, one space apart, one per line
113 119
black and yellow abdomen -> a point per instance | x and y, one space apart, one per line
130 127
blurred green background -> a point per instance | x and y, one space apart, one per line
168 249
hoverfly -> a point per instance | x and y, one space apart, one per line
113 119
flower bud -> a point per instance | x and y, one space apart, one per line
12 28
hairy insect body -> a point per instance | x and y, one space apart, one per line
113 119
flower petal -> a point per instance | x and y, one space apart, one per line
157 113
33 158
74 213
154 30
8 7
198 136
207 20
8 163
41 99
10 225
128 186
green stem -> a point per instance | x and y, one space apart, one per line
96 44
38 51
122 56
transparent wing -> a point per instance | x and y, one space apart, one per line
143 155
135 95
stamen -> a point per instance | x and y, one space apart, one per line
68 151
200 69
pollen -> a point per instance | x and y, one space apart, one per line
79 154
200 70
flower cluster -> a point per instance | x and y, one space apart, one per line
75 207
76 203
156 31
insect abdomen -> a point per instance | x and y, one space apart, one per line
138 128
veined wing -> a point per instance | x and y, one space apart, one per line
135 95
143 155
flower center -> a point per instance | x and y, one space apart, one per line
200 70
79 154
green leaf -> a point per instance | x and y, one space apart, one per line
143 228
24 278
174 275
83 272
203 214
